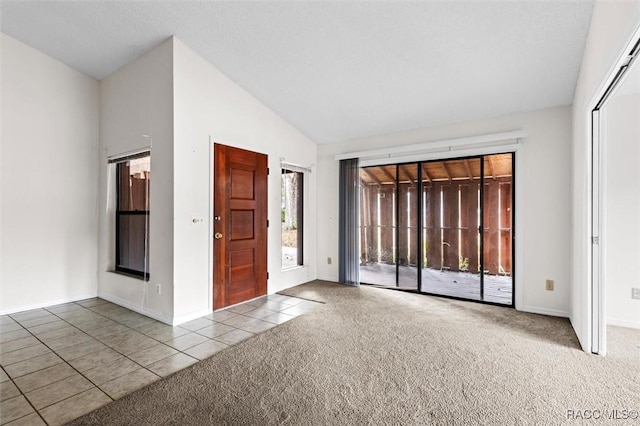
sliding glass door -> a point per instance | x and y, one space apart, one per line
452 237
389 226
378 225
498 232
440 227
408 262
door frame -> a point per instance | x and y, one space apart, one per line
596 285
515 146
212 141
212 163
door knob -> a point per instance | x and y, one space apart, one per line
218 235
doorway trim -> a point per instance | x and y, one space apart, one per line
468 147
596 316
210 226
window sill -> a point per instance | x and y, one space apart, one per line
292 268
129 274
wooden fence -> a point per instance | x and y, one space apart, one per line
133 237
449 225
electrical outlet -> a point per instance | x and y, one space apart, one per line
328 261
550 285
159 288
635 293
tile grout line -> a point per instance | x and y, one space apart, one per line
97 339
72 367
63 361
25 398
197 360
111 347
66 362
134 329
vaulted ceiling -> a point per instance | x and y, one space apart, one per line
338 70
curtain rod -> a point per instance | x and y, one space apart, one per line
294 167
439 144
132 152
132 155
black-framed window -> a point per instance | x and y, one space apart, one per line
133 177
292 218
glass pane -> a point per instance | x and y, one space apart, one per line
134 178
131 242
291 215
407 226
377 225
498 282
451 239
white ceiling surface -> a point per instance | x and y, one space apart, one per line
339 70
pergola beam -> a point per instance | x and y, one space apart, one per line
403 168
388 175
371 175
491 167
446 171
425 173
466 166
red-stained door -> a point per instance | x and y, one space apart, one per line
240 225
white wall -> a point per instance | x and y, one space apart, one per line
185 103
48 225
545 220
137 100
209 107
612 25
621 183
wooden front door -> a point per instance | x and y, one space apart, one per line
239 225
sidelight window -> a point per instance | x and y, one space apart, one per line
292 218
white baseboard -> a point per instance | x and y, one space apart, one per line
48 303
190 317
118 301
126 304
325 278
623 323
544 311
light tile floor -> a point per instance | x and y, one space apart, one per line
61 362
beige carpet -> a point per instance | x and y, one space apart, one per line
375 356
